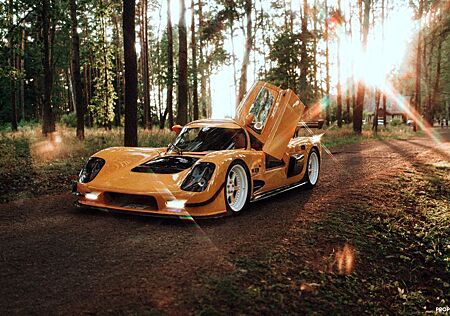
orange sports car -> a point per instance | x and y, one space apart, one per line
213 167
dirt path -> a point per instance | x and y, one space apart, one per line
56 259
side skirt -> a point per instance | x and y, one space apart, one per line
269 194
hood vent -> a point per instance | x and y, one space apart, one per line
166 165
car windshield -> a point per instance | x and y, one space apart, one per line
199 139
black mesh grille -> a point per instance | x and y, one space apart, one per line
145 202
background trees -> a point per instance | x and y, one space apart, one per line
182 67
77 88
315 47
129 41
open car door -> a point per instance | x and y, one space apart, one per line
271 115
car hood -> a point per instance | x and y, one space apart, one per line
141 170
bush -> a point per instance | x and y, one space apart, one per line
395 122
69 119
31 124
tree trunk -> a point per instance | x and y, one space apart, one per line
358 110
169 66
13 66
233 57
194 65
347 103
202 63
383 15
22 69
304 64
436 83
182 68
107 123
375 112
129 40
248 48
48 123
70 93
339 87
144 58
75 71
327 67
119 71
417 96
351 87
314 48
13 93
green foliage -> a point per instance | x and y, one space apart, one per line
103 102
395 122
287 64
69 119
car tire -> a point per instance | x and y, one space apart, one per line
311 176
237 187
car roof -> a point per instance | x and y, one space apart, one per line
223 123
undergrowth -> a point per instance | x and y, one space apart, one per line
32 165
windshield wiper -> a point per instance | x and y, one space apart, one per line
178 150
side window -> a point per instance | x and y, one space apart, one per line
260 109
255 143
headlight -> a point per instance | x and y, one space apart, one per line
91 169
197 180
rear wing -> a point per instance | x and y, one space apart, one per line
308 125
311 124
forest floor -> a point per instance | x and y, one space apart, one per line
372 237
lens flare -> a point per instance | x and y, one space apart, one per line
412 113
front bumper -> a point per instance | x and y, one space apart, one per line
161 204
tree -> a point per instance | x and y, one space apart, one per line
22 71
350 95
417 95
285 73
314 50
118 54
129 39
194 65
375 112
304 62
358 110
339 86
247 50
76 76
327 66
182 67
48 122
383 15
202 62
144 63
13 65
103 102
169 108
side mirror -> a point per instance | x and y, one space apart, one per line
249 119
177 129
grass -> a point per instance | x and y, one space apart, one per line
335 137
366 257
32 165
